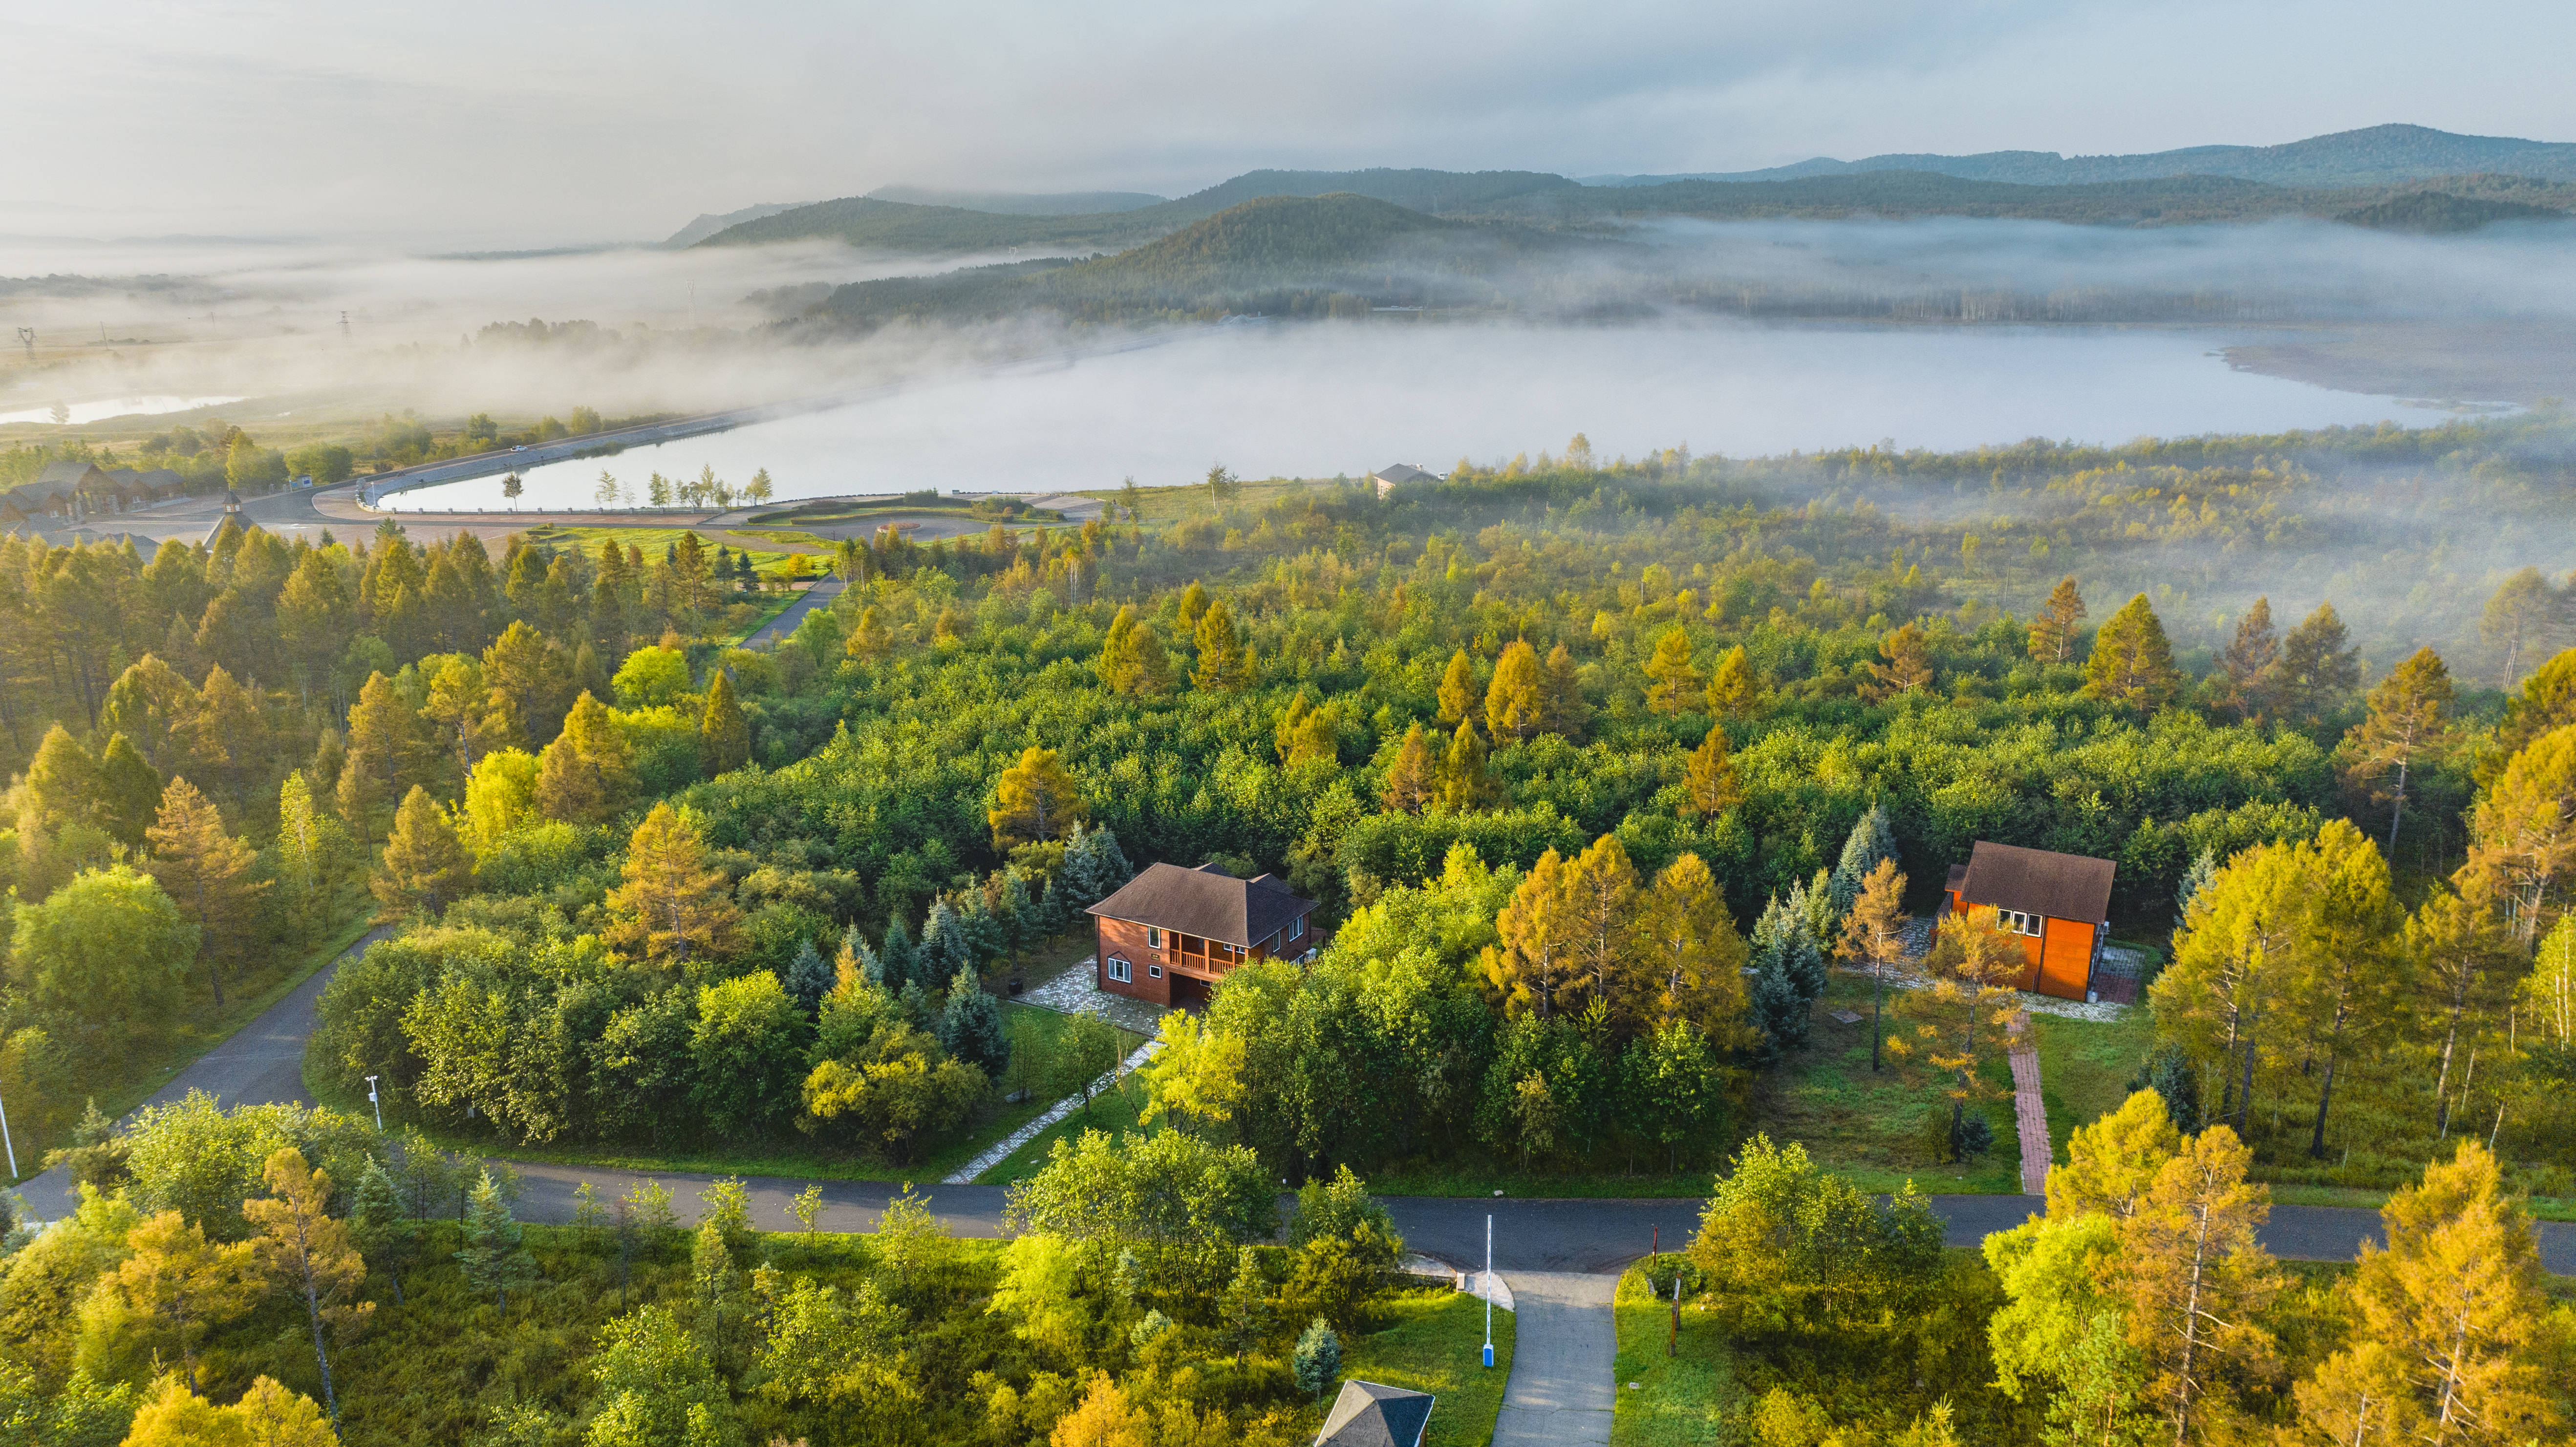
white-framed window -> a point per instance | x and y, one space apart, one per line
2018 922
1153 937
1120 970
1296 928
1154 971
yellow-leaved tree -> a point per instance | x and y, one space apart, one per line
1035 800
1515 707
671 905
1673 683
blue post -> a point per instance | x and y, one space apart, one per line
1489 1289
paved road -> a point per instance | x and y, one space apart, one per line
824 591
265 1063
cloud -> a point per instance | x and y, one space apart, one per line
577 120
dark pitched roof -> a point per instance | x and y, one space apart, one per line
1205 901
1958 875
1369 1415
2060 886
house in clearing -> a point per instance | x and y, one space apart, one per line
1388 479
2059 904
1170 933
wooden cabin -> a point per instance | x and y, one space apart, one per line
1170 933
2060 905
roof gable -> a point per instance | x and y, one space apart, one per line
1205 901
1368 1414
2038 881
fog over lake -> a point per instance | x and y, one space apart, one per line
1320 399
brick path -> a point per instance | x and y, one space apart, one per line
2029 1114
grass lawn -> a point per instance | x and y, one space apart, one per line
2085 1067
1435 1343
1868 1127
247 996
1033 1031
653 541
1113 1111
1685 1399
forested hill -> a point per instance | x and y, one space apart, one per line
1281 255
2441 213
2373 156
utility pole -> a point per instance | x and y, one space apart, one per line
378 1104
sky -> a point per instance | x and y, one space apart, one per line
555 122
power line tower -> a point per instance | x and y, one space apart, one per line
27 339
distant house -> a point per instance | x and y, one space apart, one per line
163 482
2060 905
1170 933
1369 1415
1388 479
57 488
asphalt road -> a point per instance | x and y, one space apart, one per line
265 1063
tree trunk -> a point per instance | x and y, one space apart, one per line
2191 1329
2398 811
2450 1041
2325 1097
1877 1003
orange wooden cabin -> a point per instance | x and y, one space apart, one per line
2060 905
1168 935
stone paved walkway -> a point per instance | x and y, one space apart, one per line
1001 1149
2030 1114
1077 991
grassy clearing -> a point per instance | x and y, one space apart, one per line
1434 1343
2085 1067
1115 1111
1685 1399
1034 1032
1868 1127
653 540
247 996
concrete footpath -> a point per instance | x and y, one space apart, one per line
1565 1342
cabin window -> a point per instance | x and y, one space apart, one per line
1153 937
1154 972
1296 928
2018 922
1120 970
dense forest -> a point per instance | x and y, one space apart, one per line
1599 768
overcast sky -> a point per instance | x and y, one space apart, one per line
551 121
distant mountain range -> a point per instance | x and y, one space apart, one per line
708 225
1019 203
2375 156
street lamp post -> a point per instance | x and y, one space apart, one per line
378 1104
1489 1289
5 1141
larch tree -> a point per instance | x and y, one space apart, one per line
1465 783
129 791
1908 665
425 866
1514 706
2347 985
724 735
2547 701
587 775
2522 834
2408 720
1687 942
1673 683
2111 1163
1874 933
1532 965
2451 1314
2234 963
386 751
1413 777
2250 664
308 1252
868 638
182 1284
1457 688
2052 631
1224 663
1562 710
1708 780
2132 661
1734 692
2462 957
2194 1280
672 906
2521 618
2318 668
1959 1020
1601 901
1035 800
207 873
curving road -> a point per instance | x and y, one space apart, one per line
1583 1237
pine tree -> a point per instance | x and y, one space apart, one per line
2250 664
207 873
2202 873
424 865
1224 663
1778 1011
972 1029
494 1259
1733 690
1676 682
944 950
809 979
1464 781
1412 780
2409 712
724 735
129 791
1562 710
1872 839
1317 1361
897 960
1243 1312
1908 666
1709 779
1035 799
2052 633
2318 668
672 906
378 1228
1514 707
1457 688
2132 663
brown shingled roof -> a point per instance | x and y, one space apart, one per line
1205 901
2038 881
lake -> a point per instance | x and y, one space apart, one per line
1318 400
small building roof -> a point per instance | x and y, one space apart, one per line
2038 881
1403 472
1205 901
1367 1414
